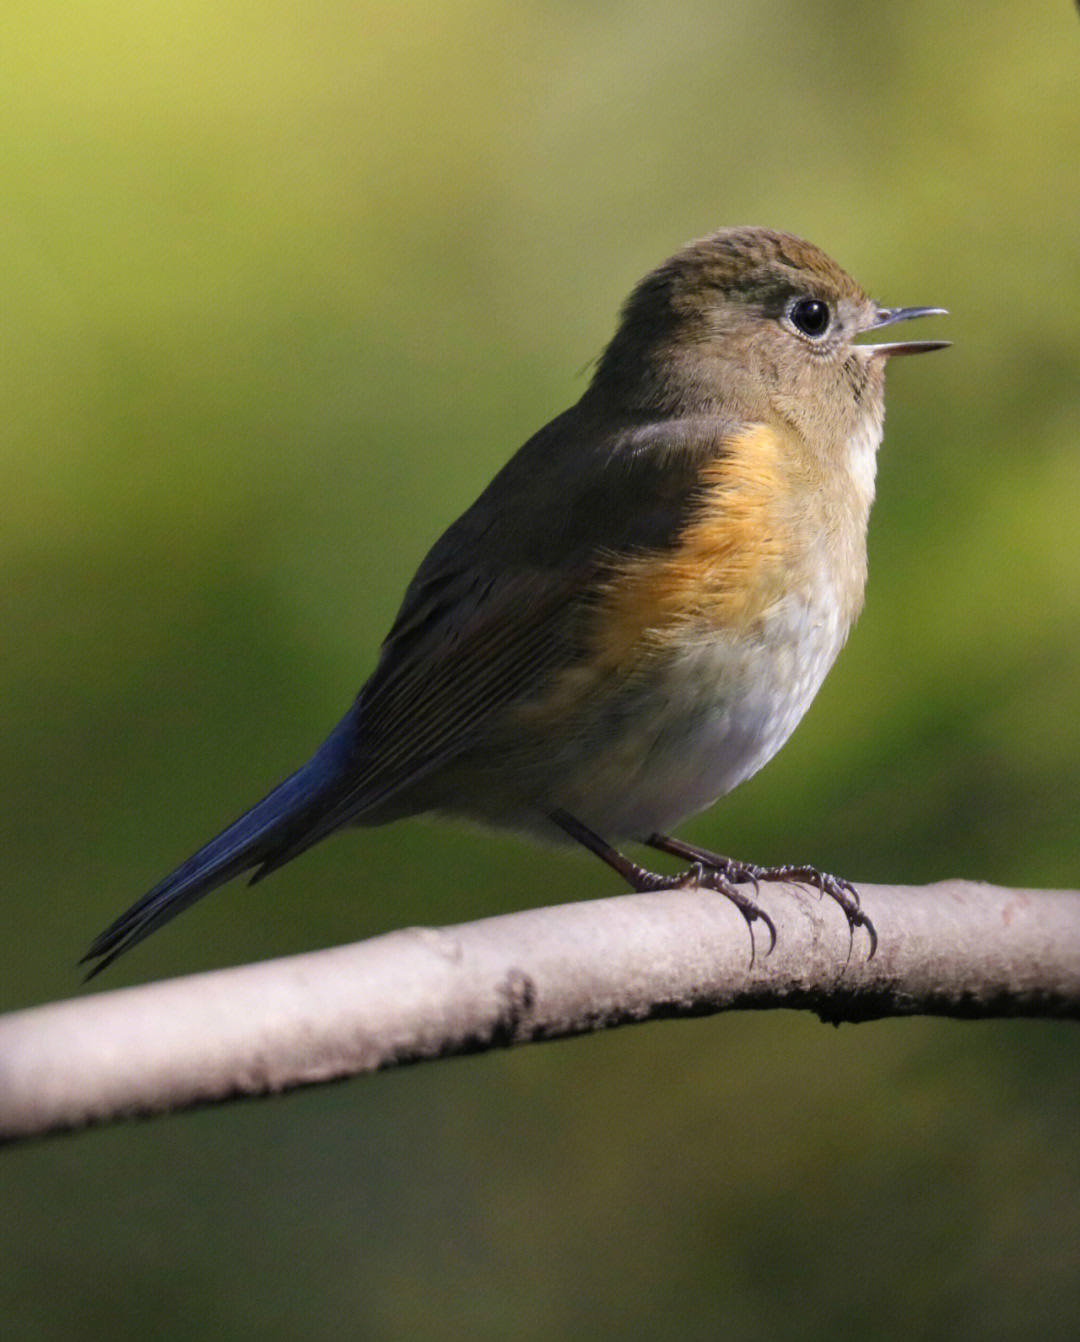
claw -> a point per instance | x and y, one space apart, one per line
718 880
772 931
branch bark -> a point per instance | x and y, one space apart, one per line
956 949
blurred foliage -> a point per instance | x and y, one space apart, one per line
282 286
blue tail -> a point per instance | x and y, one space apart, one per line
279 823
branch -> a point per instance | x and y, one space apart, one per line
954 949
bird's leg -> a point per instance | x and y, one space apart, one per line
638 877
839 890
704 874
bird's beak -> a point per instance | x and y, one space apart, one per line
887 316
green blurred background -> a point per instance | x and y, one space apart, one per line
282 285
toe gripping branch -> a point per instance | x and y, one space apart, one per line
712 871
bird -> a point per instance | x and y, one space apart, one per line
634 615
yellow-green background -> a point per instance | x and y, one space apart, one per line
281 285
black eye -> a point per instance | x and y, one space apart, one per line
810 316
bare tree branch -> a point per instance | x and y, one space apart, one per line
956 949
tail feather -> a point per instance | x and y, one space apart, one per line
276 823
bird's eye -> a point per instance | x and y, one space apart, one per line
810 316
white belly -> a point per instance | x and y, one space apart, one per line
709 715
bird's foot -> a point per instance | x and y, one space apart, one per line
733 872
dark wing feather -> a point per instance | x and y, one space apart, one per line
492 610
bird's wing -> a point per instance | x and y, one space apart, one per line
496 606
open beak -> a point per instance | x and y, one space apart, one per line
887 316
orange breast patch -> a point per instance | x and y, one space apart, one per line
727 566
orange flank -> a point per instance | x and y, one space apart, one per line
729 564
729 561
